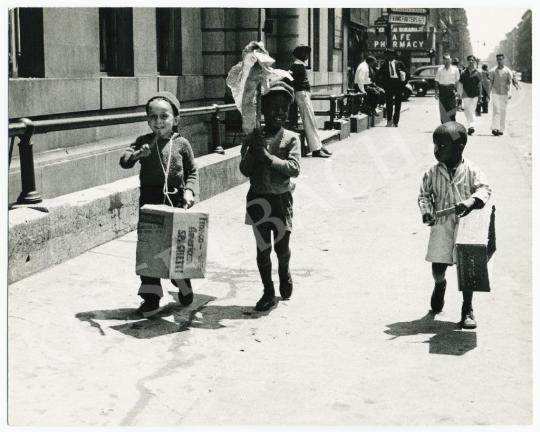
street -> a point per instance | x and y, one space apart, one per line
355 344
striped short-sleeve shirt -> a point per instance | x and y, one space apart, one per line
442 189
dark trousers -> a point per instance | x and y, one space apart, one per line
393 100
154 195
447 103
373 95
263 235
485 101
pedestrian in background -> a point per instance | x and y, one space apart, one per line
459 102
365 84
501 85
270 160
168 175
392 77
486 88
302 94
471 84
453 182
446 80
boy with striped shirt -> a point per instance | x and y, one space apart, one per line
453 182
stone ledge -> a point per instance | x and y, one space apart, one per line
61 228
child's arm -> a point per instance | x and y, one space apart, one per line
290 166
481 194
191 176
425 199
248 159
139 149
481 188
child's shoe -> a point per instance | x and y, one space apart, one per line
185 292
285 284
467 318
267 301
437 297
149 306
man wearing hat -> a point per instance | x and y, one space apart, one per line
392 77
446 81
302 94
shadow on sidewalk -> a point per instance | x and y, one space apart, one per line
197 315
448 338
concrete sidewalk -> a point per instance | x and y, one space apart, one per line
355 345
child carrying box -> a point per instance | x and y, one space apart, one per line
453 182
168 175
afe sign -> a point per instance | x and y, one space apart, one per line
408 40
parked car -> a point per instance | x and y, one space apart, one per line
423 79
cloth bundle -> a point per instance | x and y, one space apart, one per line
249 79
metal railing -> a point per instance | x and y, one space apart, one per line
342 105
25 129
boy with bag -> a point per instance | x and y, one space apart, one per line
453 182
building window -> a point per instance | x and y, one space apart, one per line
169 41
316 39
25 52
116 41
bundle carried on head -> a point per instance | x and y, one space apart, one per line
249 79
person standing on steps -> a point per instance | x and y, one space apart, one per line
392 77
302 89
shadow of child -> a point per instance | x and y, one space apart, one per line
448 339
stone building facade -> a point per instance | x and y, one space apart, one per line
72 62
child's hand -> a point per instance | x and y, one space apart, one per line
428 219
262 155
188 199
463 208
143 152
254 139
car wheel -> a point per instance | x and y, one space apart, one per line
406 93
421 91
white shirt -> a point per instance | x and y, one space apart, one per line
392 69
447 76
501 80
361 77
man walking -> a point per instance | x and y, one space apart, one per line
302 95
392 77
366 86
501 83
486 88
446 80
471 81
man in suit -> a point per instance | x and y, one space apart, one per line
392 77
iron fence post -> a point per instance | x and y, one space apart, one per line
332 108
216 133
28 195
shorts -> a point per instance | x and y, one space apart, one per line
274 211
